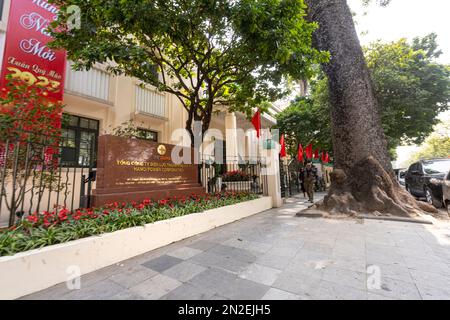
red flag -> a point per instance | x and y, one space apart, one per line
309 151
283 152
327 158
256 121
300 153
316 154
323 157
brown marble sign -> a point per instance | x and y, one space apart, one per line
135 169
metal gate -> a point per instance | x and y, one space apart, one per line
35 178
289 174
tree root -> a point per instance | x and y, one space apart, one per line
369 189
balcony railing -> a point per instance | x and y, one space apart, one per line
94 83
150 102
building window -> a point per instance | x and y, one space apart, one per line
94 83
147 134
79 141
150 102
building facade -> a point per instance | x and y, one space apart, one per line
96 103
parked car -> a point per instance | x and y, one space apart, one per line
418 180
400 175
446 192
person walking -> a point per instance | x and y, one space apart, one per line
301 181
310 181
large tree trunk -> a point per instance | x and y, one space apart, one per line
363 180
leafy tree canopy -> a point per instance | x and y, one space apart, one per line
212 53
412 89
437 145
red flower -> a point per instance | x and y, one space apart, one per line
163 202
33 219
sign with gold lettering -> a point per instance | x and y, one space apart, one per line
135 169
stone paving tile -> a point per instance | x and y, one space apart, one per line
384 255
132 276
351 263
101 290
184 271
184 253
214 260
202 245
287 252
434 266
236 243
276 294
241 289
273 261
297 283
321 248
304 254
393 271
428 292
432 279
373 296
345 277
53 293
332 291
308 267
397 289
188 292
162 263
217 297
156 287
257 246
234 253
126 295
100 275
213 279
260 274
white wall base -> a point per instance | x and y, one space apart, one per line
32 271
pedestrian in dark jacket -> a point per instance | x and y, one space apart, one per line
310 181
301 181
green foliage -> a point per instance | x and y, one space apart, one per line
302 122
208 53
437 145
411 87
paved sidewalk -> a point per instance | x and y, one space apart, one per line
275 255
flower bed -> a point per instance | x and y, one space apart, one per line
235 176
60 226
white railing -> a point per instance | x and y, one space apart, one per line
94 83
150 102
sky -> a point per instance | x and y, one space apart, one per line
405 19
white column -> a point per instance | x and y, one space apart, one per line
231 137
273 178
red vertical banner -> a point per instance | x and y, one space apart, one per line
27 56
283 152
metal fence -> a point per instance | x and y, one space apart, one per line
235 175
38 173
34 177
